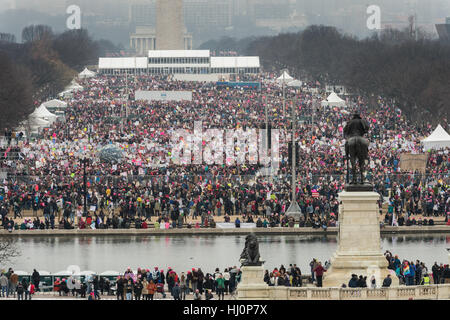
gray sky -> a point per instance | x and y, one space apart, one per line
238 18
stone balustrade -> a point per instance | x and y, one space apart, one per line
431 292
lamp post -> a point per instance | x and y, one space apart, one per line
284 96
128 94
84 161
313 107
294 209
89 133
269 169
125 97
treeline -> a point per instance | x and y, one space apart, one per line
42 65
413 71
227 44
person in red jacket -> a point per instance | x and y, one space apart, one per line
31 290
319 270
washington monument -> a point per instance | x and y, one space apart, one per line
169 25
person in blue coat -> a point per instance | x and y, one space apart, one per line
237 223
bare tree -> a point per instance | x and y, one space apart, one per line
15 93
8 250
392 63
7 37
36 32
76 48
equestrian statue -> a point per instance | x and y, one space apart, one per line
356 147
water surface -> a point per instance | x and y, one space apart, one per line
101 253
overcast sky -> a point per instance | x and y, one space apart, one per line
111 18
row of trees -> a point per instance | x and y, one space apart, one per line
412 70
41 66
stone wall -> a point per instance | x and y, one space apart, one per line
431 292
216 231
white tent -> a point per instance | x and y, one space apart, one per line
87 273
55 104
333 100
295 83
66 94
285 77
75 87
37 123
110 273
72 87
43 273
41 118
64 273
86 73
43 113
439 139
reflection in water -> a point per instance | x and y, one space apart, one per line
100 253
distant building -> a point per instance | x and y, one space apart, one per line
201 13
142 13
144 39
180 62
443 30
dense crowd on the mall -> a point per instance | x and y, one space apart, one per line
45 173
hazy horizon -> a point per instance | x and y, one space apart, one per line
207 20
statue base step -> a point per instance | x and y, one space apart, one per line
252 285
358 187
336 277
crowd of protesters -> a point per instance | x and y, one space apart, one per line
413 273
144 284
46 175
11 286
147 284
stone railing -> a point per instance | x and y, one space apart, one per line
431 292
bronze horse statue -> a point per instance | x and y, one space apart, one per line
356 146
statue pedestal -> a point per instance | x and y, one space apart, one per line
359 246
252 285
